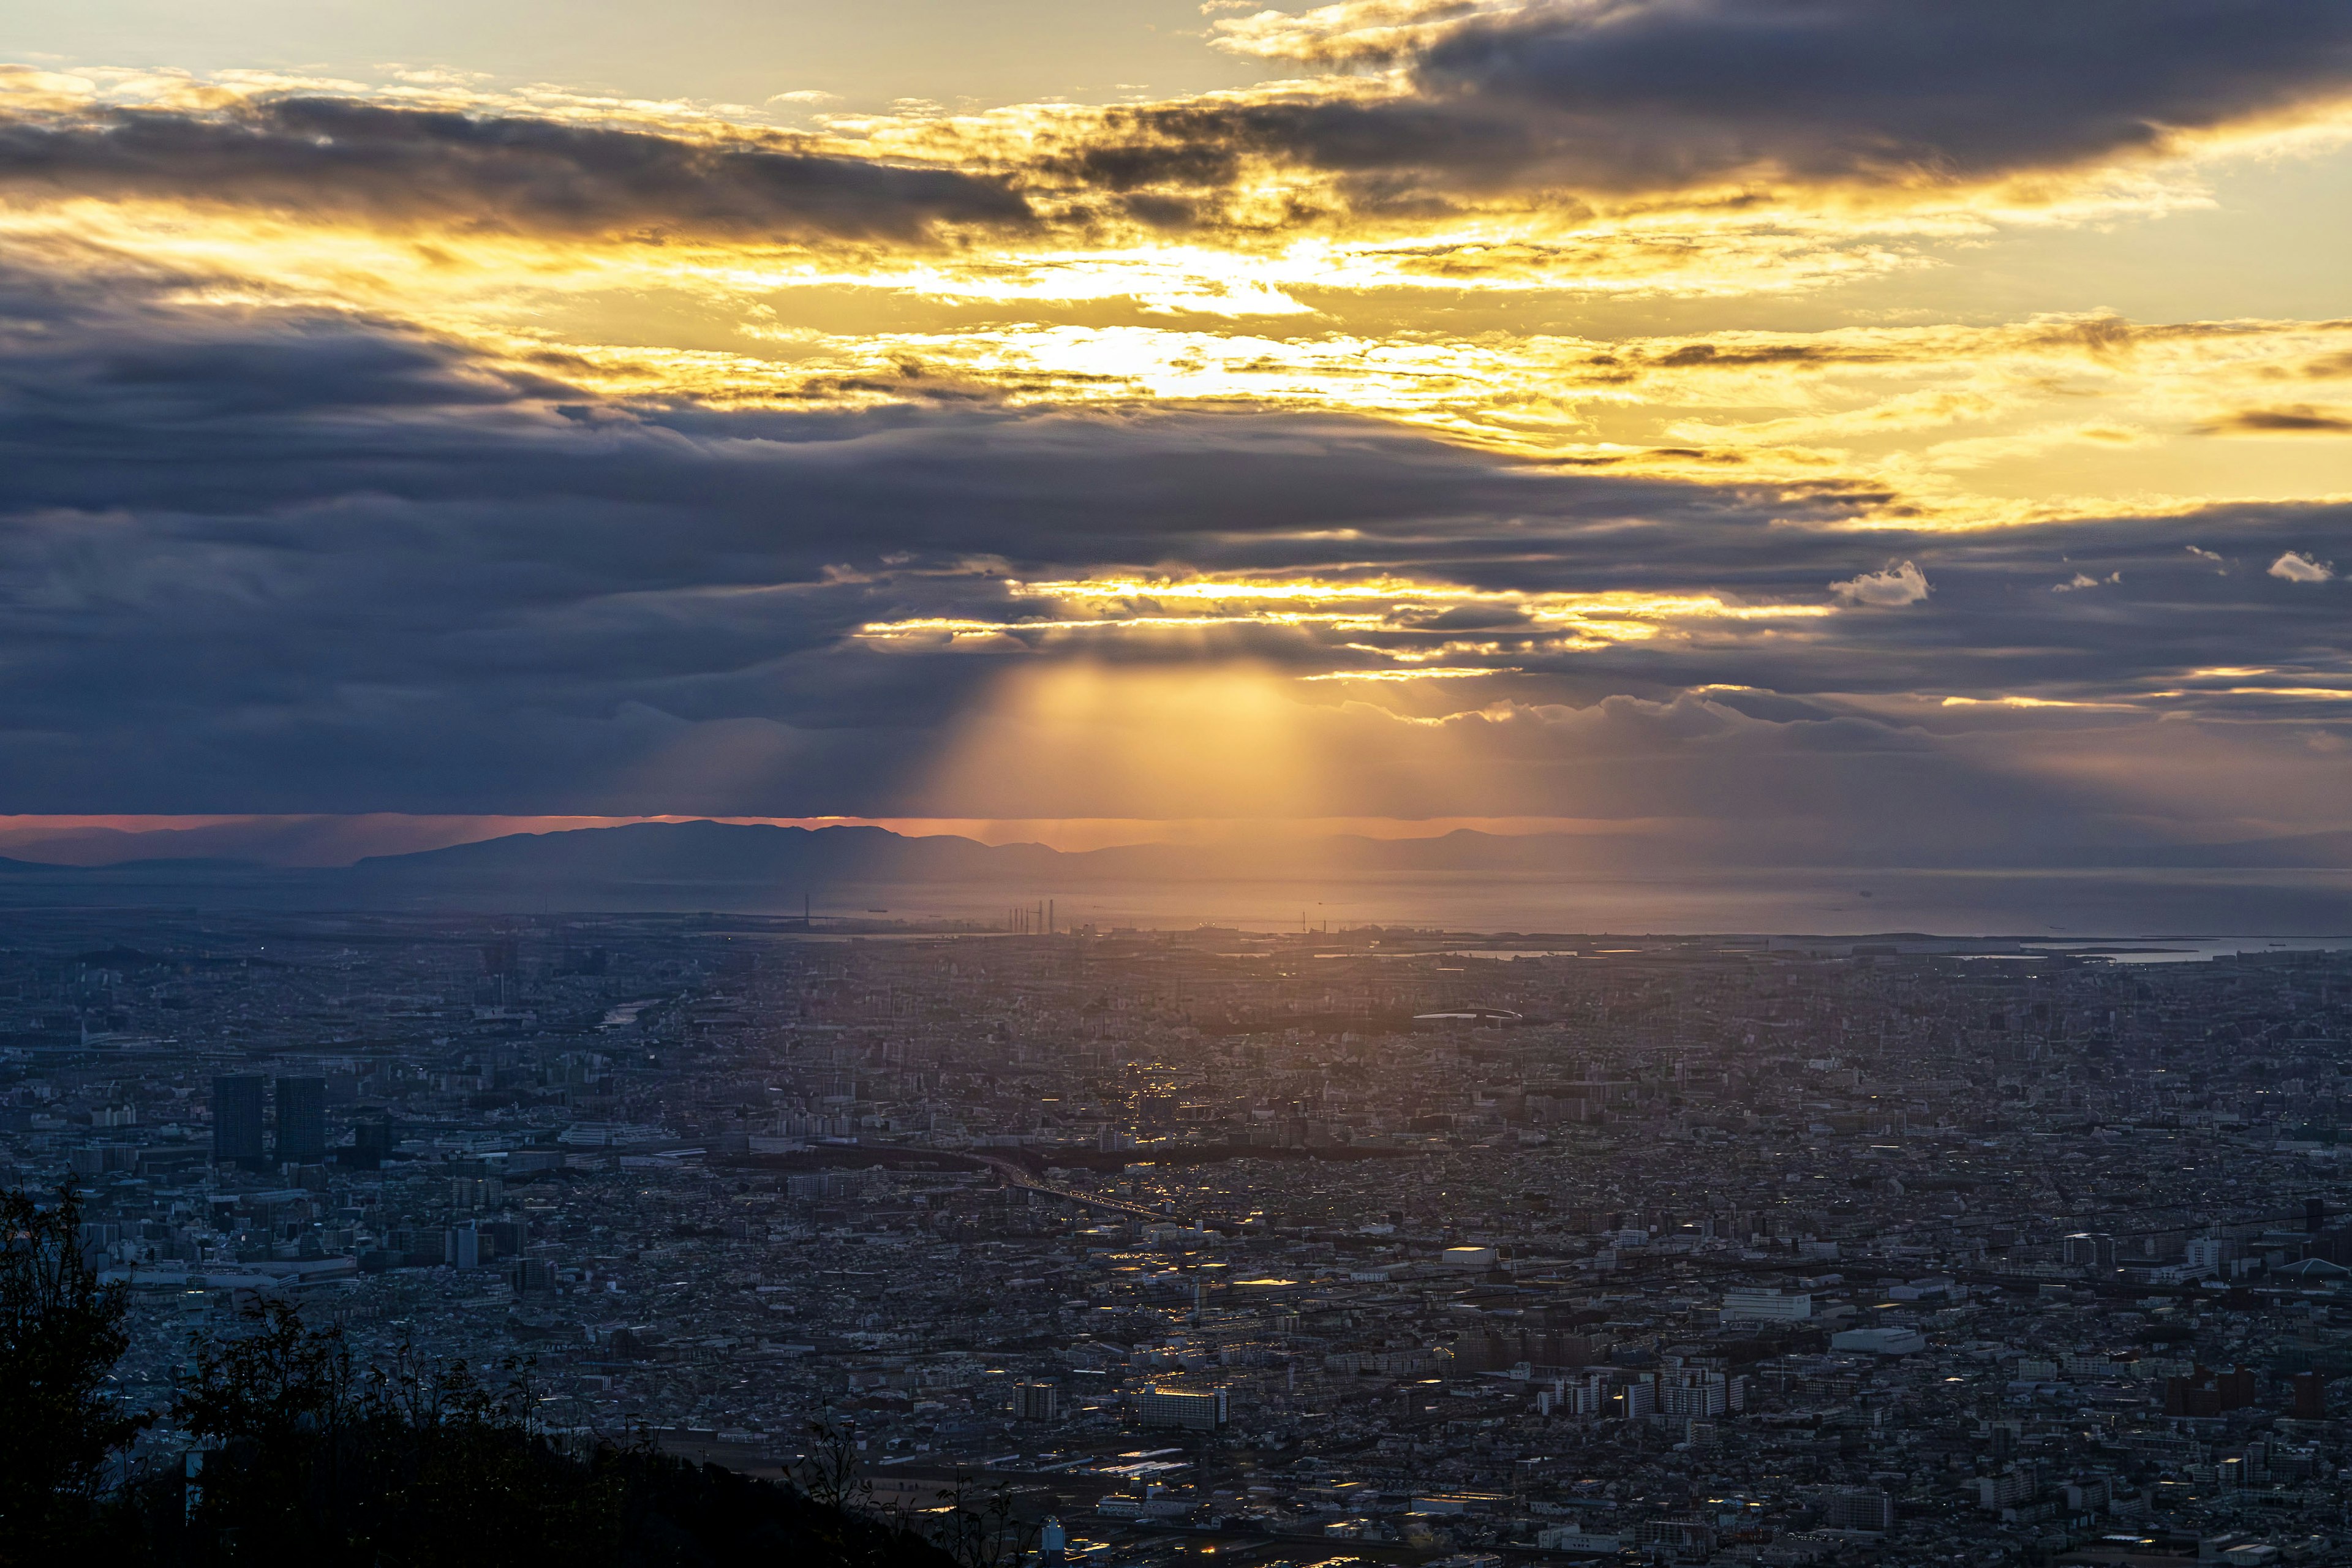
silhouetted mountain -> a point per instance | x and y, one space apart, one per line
716 852
733 855
735 864
2255 885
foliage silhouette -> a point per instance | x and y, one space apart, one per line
303 1453
421 1466
60 1334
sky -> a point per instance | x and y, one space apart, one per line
1782 429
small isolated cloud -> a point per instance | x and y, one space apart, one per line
806 95
2294 419
2298 568
1895 586
2082 580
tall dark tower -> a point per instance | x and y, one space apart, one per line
301 1120
237 1122
373 1139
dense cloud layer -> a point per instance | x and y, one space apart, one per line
976 510
1647 94
275 561
346 159
1546 103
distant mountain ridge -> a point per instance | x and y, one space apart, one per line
705 851
784 859
720 852
1549 881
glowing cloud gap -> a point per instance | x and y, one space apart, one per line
1596 619
2024 702
1539 606
1135 588
628 457
1443 672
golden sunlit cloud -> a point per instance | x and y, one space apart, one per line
2324 693
1400 610
1955 423
1433 672
952 626
1682 350
2022 702
1292 296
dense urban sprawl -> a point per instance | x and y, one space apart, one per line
1402 1246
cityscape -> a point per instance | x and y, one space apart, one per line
1175 784
1397 1245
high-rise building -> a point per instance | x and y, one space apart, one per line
476 1192
1036 1402
467 1245
237 1135
1858 1507
301 1120
2004 1490
372 1143
1746 1305
102 1158
2090 1249
2088 1494
2208 1392
1196 1410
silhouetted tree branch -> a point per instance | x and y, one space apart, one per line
60 1334
312 1455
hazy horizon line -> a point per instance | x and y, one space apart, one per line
323 839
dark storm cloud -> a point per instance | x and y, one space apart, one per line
269 560
343 158
272 557
1834 89
1639 95
1549 99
